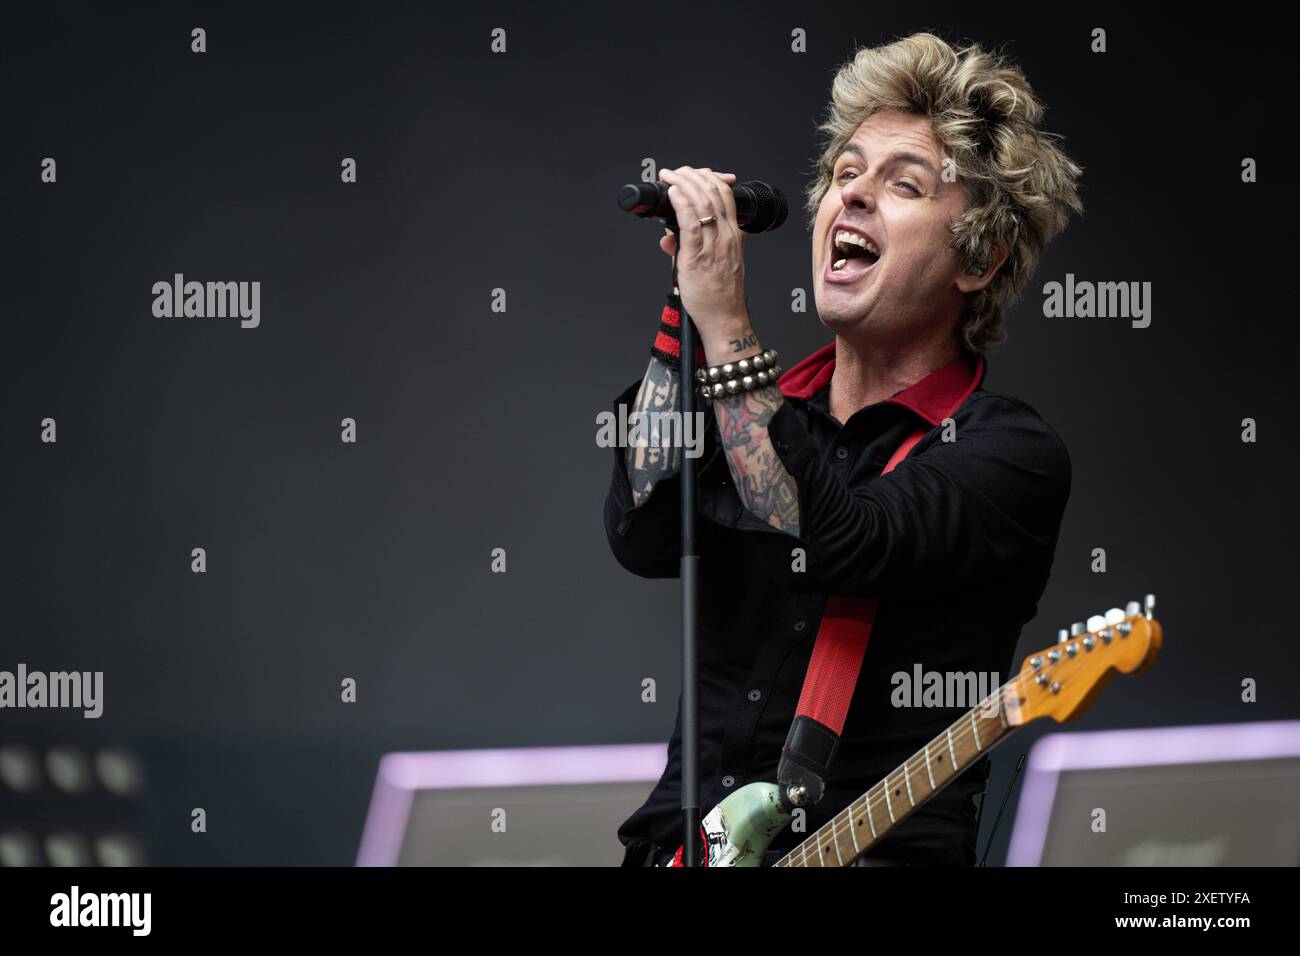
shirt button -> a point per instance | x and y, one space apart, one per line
755 694
728 781
800 625
782 446
841 453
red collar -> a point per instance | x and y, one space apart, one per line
934 397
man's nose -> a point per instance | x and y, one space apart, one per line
858 191
863 197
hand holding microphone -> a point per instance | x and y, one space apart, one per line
709 249
669 241
710 214
760 206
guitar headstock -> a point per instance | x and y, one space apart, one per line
1062 680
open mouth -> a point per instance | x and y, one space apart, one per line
851 255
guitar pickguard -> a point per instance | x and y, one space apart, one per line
738 831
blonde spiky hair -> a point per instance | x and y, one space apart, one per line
1019 184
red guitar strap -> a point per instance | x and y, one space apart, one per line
837 655
842 642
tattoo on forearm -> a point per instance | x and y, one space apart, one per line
744 342
762 482
647 463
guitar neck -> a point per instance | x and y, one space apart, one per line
866 820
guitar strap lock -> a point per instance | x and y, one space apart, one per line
801 775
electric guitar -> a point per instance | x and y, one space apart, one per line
1059 682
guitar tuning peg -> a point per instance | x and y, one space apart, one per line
1149 605
1114 615
1076 628
1096 622
1132 609
1062 635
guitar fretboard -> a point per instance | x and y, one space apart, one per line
866 820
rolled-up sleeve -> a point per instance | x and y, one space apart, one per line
948 514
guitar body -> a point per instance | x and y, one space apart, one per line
738 831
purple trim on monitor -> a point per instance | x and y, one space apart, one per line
1056 753
402 774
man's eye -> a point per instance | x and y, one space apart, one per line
912 186
843 174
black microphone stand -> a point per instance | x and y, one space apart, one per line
759 207
690 564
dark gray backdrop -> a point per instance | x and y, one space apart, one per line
479 171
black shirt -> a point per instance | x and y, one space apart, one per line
957 541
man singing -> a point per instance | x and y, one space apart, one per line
935 196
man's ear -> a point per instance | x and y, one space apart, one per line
974 282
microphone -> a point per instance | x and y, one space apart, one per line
760 207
